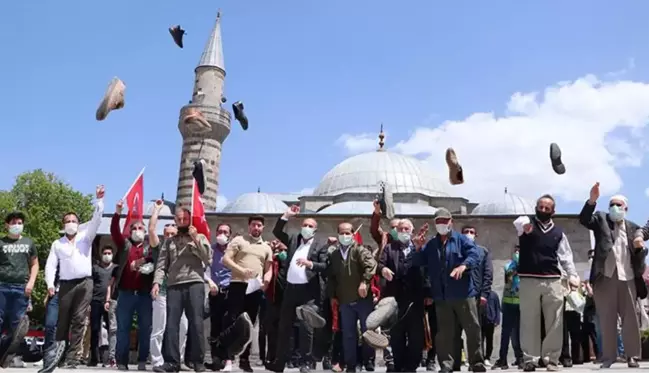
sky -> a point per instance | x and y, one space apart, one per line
497 81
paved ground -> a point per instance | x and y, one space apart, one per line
644 366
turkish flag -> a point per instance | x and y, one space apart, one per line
358 238
198 213
134 200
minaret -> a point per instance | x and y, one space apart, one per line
207 97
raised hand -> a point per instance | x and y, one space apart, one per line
594 193
100 191
119 207
159 204
420 239
377 206
292 211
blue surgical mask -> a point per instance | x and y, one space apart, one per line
281 256
515 257
616 213
16 229
394 234
345 240
404 237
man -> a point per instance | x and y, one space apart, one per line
450 258
307 259
182 261
544 253
352 267
18 271
159 305
221 277
406 282
72 254
250 259
616 275
511 317
102 272
133 284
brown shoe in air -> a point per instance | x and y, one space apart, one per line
177 34
194 117
113 99
455 174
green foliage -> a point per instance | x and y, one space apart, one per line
43 198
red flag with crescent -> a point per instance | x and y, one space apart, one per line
134 201
198 213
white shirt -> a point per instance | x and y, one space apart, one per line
619 257
296 274
74 258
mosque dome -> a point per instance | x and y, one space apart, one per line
255 203
167 209
363 173
366 208
510 204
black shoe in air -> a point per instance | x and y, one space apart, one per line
177 33
555 158
199 175
240 115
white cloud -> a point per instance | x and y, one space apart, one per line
221 201
630 66
598 125
355 144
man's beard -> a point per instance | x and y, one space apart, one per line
255 234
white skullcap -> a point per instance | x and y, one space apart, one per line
620 198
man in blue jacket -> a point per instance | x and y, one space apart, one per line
450 257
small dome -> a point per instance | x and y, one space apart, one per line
255 203
511 204
363 173
167 209
366 208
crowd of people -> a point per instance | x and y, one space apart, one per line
331 300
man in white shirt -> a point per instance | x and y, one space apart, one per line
72 253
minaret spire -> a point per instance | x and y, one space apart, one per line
213 52
381 140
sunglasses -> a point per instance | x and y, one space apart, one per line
618 204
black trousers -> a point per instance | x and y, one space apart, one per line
238 303
97 313
432 322
74 300
218 309
572 338
263 333
588 336
407 338
487 339
271 325
188 298
295 296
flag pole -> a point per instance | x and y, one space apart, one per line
358 229
132 185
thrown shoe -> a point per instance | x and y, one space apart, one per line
386 202
308 314
16 341
177 33
199 175
376 339
243 328
385 308
196 119
240 115
555 158
113 99
455 173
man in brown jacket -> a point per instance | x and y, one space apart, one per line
352 267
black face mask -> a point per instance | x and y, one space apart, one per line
183 230
543 216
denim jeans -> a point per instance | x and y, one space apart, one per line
510 331
129 302
350 314
51 318
13 304
620 345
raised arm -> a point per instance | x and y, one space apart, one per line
115 231
586 217
375 225
278 230
50 266
154 240
93 225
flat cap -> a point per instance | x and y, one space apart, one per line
443 213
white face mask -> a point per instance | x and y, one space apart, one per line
345 239
222 239
404 237
16 229
107 258
71 228
307 232
442 228
137 236
470 236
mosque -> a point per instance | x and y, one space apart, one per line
346 192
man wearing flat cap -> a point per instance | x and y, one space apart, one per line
450 257
616 274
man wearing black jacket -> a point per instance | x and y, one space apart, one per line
306 260
407 283
274 296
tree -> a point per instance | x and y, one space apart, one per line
44 199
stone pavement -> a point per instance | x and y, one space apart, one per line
644 366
